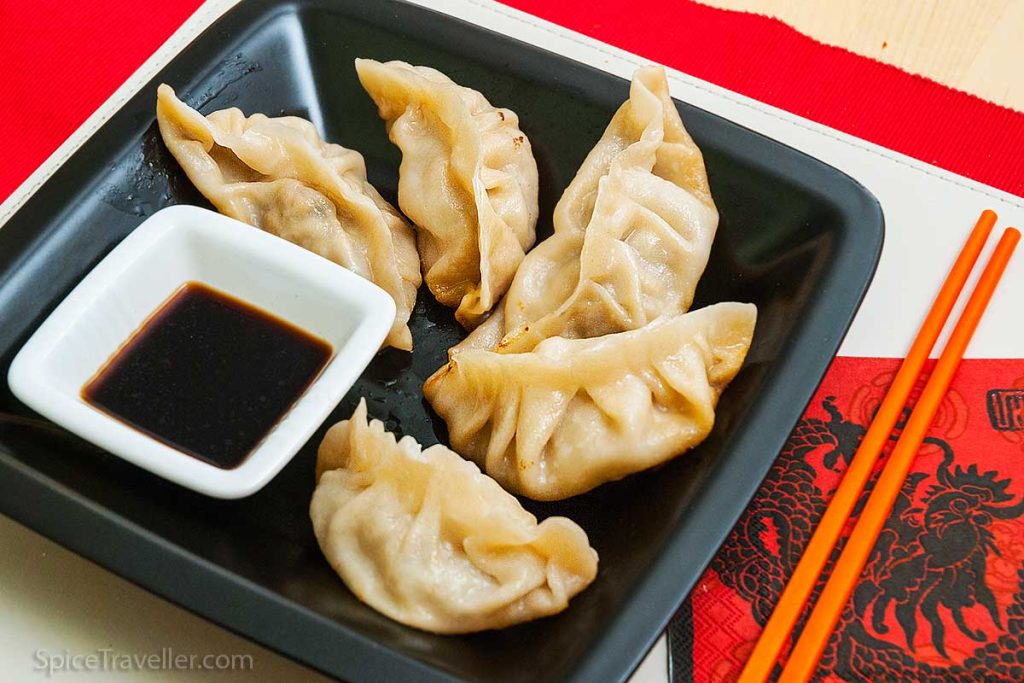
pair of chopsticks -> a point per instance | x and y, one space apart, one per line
803 658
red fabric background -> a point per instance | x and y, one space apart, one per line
765 59
60 60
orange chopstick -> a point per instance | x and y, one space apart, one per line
805 655
765 653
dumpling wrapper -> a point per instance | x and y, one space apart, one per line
633 232
571 414
278 175
468 180
427 539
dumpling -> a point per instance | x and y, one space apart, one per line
427 539
468 180
278 175
572 414
633 232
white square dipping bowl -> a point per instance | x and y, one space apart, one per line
178 245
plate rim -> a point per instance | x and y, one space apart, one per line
641 632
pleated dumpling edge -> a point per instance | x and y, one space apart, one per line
277 174
468 180
572 414
633 232
425 538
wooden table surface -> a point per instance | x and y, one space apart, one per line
972 45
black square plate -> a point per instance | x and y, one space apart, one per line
797 238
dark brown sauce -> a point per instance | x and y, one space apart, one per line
208 374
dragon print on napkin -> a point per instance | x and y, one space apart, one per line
942 595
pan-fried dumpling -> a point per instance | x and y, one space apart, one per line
572 414
632 233
278 175
427 539
468 180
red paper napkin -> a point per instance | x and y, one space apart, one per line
942 596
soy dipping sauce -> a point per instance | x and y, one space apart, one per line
208 374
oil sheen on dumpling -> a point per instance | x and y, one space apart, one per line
632 233
572 414
427 539
468 180
278 175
